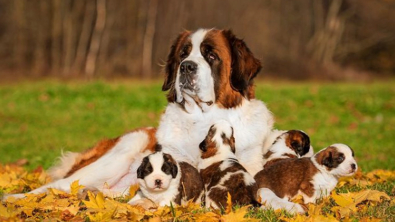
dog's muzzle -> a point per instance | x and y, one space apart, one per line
188 70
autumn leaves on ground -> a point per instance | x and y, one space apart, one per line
362 198
40 119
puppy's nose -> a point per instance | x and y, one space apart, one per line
188 67
353 166
158 182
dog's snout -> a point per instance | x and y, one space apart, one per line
188 67
353 166
158 182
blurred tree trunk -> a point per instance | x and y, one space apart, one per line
85 37
40 62
327 36
56 36
20 42
149 38
90 66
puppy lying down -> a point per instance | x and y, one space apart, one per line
164 181
221 172
313 177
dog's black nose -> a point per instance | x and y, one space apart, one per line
353 166
158 182
188 67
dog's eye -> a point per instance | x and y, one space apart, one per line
340 158
211 56
183 54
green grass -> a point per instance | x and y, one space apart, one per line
39 119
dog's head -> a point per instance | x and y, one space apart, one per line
337 159
157 171
210 66
297 141
219 140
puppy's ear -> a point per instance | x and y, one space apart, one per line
171 67
174 170
244 66
328 160
142 168
172 163
203 146
232 142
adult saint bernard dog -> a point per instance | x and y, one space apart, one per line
209 76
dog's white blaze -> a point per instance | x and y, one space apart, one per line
204 80
157 161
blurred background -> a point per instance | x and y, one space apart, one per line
307 39
342 52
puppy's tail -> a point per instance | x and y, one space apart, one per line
270 200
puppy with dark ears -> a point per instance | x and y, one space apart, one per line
164 181
313 177
221 172
289 144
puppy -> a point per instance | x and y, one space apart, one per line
289 144
313 177
163 180
221 172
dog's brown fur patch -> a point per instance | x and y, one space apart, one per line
94 153
191 184
287 177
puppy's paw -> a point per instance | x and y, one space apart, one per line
145 203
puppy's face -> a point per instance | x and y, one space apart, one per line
338 159
298 141
156 171
219 139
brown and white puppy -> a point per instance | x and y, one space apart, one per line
163 180
221 172
290 144
313 177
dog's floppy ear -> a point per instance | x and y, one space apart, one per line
328 160
325 158
203 146
244 66
172 66
172 163
142 168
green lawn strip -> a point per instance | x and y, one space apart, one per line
39 119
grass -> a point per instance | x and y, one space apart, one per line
39 119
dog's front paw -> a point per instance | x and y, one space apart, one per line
145 203
16 196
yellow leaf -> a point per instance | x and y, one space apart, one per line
341 200
56 192
298 199
75 187
237 216
372 195
207 217
132 190
95 202
348 201
5 212
228 204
